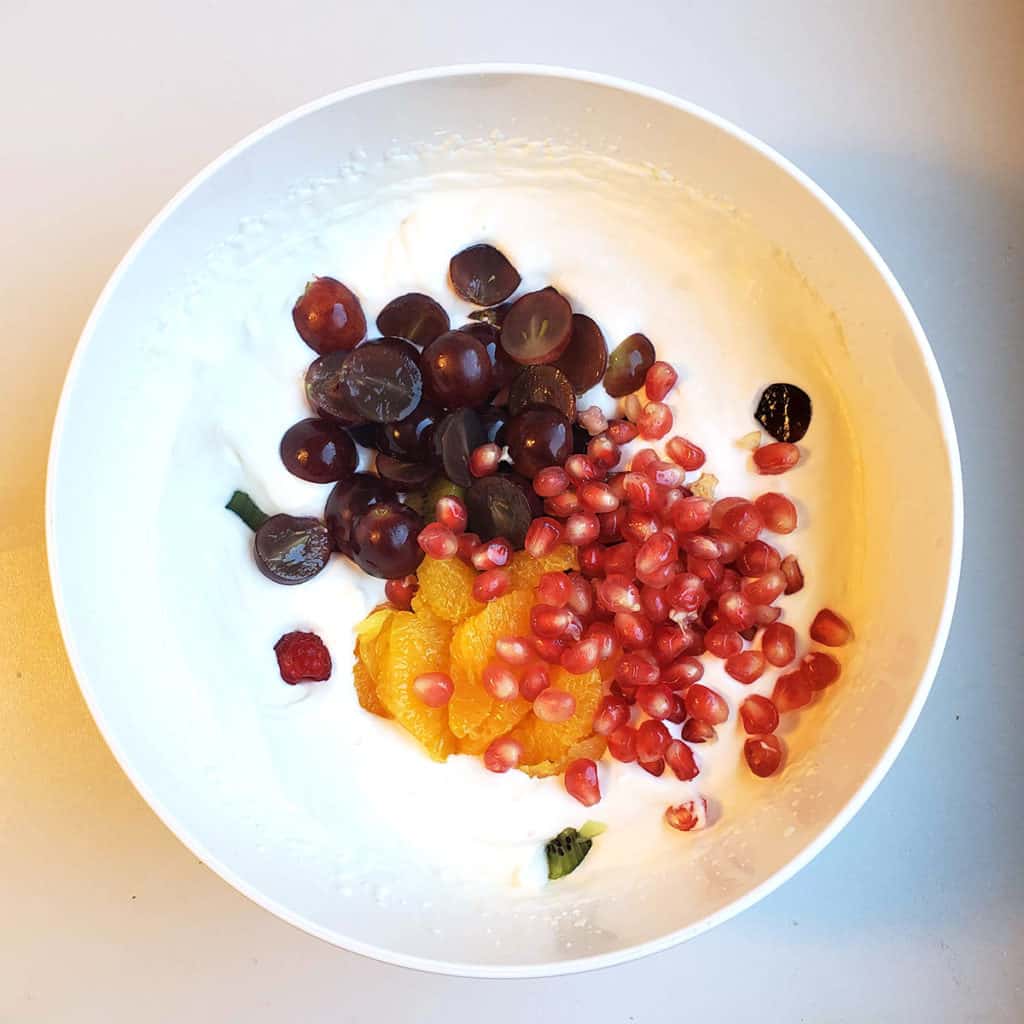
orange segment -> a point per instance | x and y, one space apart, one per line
446 586
549 741
592 747
366 691
527 570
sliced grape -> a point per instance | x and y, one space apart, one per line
328 316
499 506
319 451
326 395
425 502
454 440
364 434
494 315
542 385
291 549
456 370
380 380
483 275
785 412
384 541
404 476
586 358
410 438
537 438
537 328
348 501
492 419
504 368
415 317
628 366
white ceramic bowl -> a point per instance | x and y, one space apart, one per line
207 767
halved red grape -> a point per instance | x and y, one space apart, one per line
542 385
537 438
328 316
404 476
586 358
364 434
494 315
483 275
384 541
348 501
380 380
455 439
538 327
785 412
291 549
415 317
456 370
410 437
326 395
628 365
500 506
319 451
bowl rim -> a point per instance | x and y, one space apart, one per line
858 798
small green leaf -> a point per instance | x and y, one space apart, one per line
247 510
589 829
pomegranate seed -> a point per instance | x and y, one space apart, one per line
581 596
657 700
611 713
764 589
651 740
691 514
548 649
742 521
705 704
720 507
548 621
689 815
763 754
700 546
642 459
581 528
617 593
794 577
682 672
632 408
491 554
638 526
603 452
697 731
604 633
779 646
668 643
438 541
792 691
582 656
534 682
694 639
766 614
581 468
621 432
820 669
620 558
491 584
542 537
622 744
591 559
451 512
658 550
759 715
772 459
637 669
592 420
503 754
664 474
400 592
581 781
722 642
735 611
757 558
749 634
435 689
685 593
483 461
551 481
727 544
554 705
829 629
777 511
666 499
574 631
639 491
500 681
610 524
554 589
709 571
654 604
746 666
655 421
468 543
562 505
633 630
515 650
678 713
655 768
660 380
685 453
597 497
679 757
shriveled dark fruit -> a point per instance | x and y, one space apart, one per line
410 437
328 316
493 315
499 507
416 317
380 380
628 365
785 412
404 476
318 450
302 658
348 501
291 549
456 370
537 328
384 541
483 275
542 385
586 358
455 438
537 438
325 392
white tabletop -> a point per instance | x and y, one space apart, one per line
910 114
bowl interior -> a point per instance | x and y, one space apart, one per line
273 788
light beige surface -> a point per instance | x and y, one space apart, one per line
909 115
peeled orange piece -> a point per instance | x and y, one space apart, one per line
366 691
550 741
526 570
371 644
591 746
446 585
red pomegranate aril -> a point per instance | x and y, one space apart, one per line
633 630
654 604
592 560
759 715
777 511
534 682
503 754
742 521
665 499
820 669
620 558
580 468
551 481
773 459
499 681
483 461
700 546
592 420
491 584
749 634
704 703
438 541
655 768
612 712
547 621
622 744
657 700
603 453
735 611
562 505
686 593
597 497
764 589
766 614
582 656
468 543
581 528
554 705
694 635
659 578
581 781
708 570
664 474
691 514
542 537
554 589
515 650
638 525
727 544
549 649
581 596
435 689
728 584
720 507
400 592
632 408
722 641
792 691
604 633
678 713
830 629
617 593
688 816
697 731
652 737
745 667
491 554
658 550
709 617
683 672
642 459
660 380
451 512
621 431
637 669
790 568
685 453
679 757
763 755
610 525
778 642
638 490
668 641
757 558
655 421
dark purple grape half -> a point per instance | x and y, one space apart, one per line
456 370
328 316
326 395
492 419
384 540
404 476
586 358
628 365
504 369
542 385
381 380
410 438
785 412
537 438
415 317
364 434
319 451
348 501
483 275
580 440
495 315
291 549
499 507
455 437
537 328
